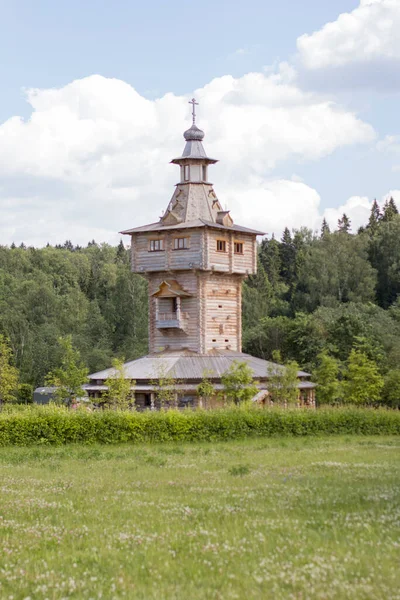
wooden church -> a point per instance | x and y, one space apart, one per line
195 259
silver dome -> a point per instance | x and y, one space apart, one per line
194 134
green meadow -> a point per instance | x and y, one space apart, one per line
277 518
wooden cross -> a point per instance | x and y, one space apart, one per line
194 104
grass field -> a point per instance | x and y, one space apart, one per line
274 518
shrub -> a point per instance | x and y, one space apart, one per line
58 425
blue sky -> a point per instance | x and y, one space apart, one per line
165 51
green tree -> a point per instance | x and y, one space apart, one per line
390 210
165 388
238 383
283 380
335 269
326 376
69 378
374 219
8 373
120 393
25 393
325 230
384 254
344 224
363 383
391 389
205 389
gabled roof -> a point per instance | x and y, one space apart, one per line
170 288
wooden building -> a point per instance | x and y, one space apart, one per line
195 259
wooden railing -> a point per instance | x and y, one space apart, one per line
172 316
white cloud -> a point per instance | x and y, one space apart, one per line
94 156
358 209
359 48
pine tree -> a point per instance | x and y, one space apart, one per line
374 218
122 255
288 257
325 230
389 210
344 224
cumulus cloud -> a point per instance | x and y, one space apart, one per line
359 48
93 158
358 209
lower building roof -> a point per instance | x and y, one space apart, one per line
186 365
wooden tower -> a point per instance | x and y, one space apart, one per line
195 259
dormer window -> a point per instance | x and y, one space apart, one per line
156 245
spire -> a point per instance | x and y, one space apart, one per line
194 104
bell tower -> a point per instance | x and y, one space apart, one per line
195 259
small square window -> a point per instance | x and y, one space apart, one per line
238 247
221 246
181 243
156 245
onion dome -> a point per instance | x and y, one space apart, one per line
194 134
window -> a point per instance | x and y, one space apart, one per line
221 246
181 243
186 172
238 247
204 172
156 245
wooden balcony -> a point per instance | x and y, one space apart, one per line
172 320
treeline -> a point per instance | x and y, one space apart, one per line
88 293
328 294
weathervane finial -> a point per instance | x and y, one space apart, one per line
194 104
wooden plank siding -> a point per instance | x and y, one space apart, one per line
213 279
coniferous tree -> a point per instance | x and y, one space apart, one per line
389 210
287 252
374 218
325 230
122 255
344 224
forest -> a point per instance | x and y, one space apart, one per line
316 294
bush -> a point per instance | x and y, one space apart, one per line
57 425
